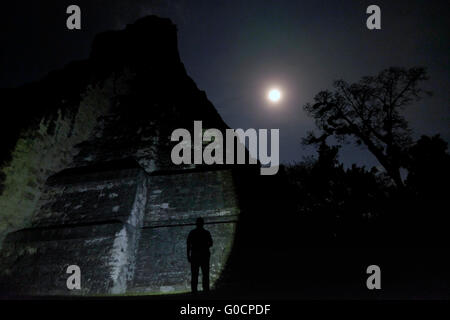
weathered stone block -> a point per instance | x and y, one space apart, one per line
88 195
34 261
162 261
181 198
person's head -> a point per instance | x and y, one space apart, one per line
199 222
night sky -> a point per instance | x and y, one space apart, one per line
235 50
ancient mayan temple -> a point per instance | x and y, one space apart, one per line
89 181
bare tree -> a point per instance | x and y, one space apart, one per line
370 111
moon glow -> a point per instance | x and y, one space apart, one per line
274 95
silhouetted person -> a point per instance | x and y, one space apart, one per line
198 243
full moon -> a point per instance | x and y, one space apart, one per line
274 95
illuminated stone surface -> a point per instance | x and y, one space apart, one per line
112 202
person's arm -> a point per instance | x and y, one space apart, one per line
188 247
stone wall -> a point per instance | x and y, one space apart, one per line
125 229
104 193
162 265
34 261
175 201
41 151
88 217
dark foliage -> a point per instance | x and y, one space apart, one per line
360 207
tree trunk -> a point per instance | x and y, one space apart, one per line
396 176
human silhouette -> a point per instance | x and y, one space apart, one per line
198 243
